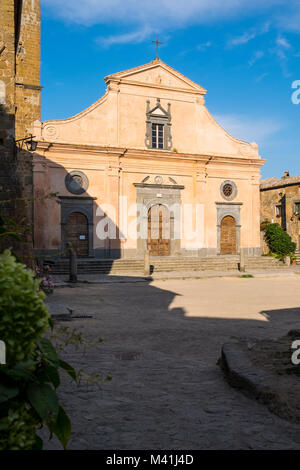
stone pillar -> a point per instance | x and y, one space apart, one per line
147 263
72 264
242 261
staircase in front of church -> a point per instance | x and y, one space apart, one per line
164 264
297 253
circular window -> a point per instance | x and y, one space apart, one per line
228 190
76 182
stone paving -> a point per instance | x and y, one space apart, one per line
162 340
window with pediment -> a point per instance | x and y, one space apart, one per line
158 127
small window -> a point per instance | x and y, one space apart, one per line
278 210
157 136
297 208
227 189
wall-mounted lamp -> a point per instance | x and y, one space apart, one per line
29 142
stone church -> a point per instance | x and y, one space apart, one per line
146 167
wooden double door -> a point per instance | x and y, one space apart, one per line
228 236
77 233
159 231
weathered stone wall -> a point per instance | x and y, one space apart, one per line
8 181
285 196
28 69
19 108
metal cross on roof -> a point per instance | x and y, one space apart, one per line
157 45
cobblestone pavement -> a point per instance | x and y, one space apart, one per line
161 344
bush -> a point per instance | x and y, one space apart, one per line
23 315
279 240
29 379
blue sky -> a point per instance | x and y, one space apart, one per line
245 53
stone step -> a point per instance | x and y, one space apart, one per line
105 266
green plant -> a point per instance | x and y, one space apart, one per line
29 379
278 240
23 315
28 395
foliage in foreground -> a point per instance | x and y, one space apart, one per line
31 375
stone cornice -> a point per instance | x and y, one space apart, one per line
153 85
121 152
159 186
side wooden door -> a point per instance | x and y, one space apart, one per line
228 236
77 233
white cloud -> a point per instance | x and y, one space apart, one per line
157 13
281 50
257 56
243 39
134 37
249 35
290 21
203 46
261 77
283 43
249 129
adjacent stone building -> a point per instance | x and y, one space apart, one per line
19 108
280 202
146 167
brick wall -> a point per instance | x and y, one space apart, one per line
27 80
19 108
286 198
8 181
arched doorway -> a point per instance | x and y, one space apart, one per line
77 233
228 236
159 230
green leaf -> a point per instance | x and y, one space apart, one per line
69 369
7 392
49 374
49 351
20 371
44 400
62 427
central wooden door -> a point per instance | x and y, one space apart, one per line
159 231
228 236
77 233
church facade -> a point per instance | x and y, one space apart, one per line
146 167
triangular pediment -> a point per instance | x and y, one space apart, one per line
158 112
156 74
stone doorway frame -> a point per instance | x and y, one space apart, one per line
150 195
231 209
85 205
